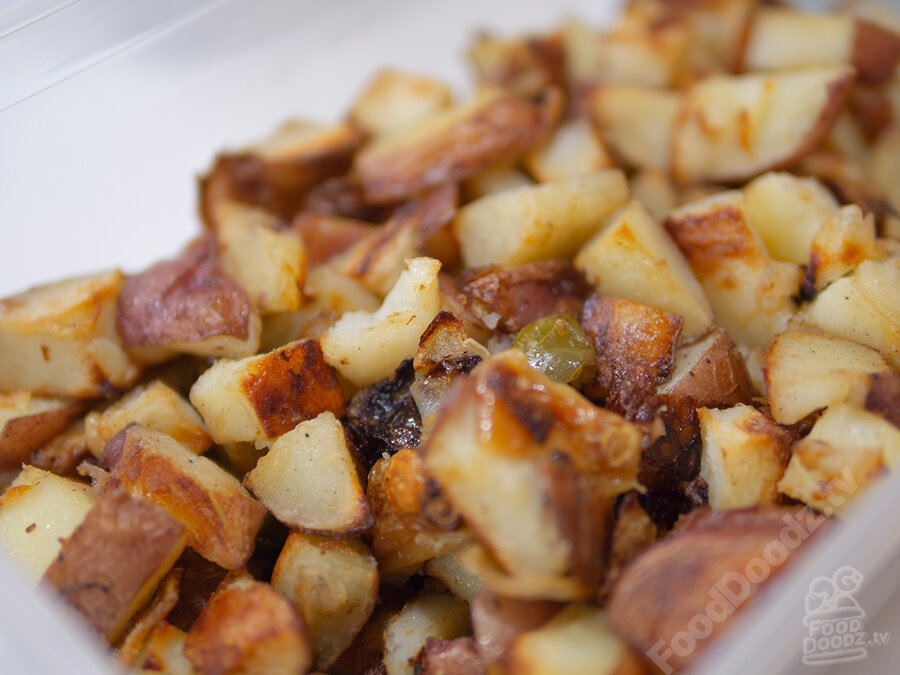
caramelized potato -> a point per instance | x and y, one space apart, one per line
27 422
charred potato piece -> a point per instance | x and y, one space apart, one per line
220 517
27 422
110 566
263 397
60 339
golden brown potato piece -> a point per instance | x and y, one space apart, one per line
743 457
455 144
843 241
188 305
60 339
278 172
37 512
325 236
711 372
634 345
732 128
247 627
110 566
708 552
512 298
524 65
497 620
27 422
154 406
531 481
308 480
263 397
334 587
395 100
221 518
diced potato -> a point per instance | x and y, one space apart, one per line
333 585
525 65
575 149
732 128
741 459
395 100
27 422
440 148
846 449
539 223
247 627
308 480
110 566
578 640
653 189
844 240
164 652
633 257
155 406
37 512
496 179
751 295
711 371
366 347
787 211
61 340
221 518
262 397
637 122
428 615
806 372
460 580
863 307
266 259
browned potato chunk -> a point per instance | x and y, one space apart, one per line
60 339
732 128
454 144
110 566
262 397
325 236
333 585
188 305
537 223
308 480
844 240
37 512
743 456
524 65
221 518
806 372
395 100
245 628
155 406
27 422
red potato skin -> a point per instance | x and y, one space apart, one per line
21 436
876 52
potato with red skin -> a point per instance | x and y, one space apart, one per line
27 422
326 236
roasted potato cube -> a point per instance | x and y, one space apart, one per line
366 347
537 223
732 128
577 640
428 615
333 585
220 517
455 143
262 397
188 305
846 449
636 122
247 627
27 422
575 149
308 480
155 406
37 512
395 100
110 566
60 339
710 371
654 189
264 257
498 178
525 65
743 456
862 306
751 295
844 240
787 212
633 257
806 372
